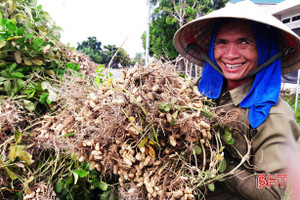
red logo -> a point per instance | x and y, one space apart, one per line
277 180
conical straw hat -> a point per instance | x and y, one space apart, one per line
199 32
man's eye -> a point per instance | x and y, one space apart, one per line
244 41
220 42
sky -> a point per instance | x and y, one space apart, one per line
110 21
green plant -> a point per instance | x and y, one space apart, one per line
100 75
290 99
83 182
30 54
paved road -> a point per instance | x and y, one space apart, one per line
117 73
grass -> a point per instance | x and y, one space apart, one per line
291 101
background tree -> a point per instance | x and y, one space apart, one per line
138 59
122 56
161 42
168 16
92 48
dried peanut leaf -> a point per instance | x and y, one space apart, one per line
11 175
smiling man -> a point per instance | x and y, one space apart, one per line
244 50
235 52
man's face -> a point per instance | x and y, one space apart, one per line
235 50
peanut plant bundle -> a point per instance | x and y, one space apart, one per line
152 132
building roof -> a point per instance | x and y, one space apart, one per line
261 1
283 6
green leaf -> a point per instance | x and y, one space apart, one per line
164 107
221 149
104 195
4 21
48 101
7 86
37 42
17 75
20 31
29 35
100 69
2 43
222 166
28 105
230 142
18 136
81 173
12 67
211 187
43 98
68 135
103 186
70 180
197 149
11 26
98 80
6 74
18 196
65 192
70 65
143 142
175 114
77 67
59 185
73 66
31 95
226 137
20 82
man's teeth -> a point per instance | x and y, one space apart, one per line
233 66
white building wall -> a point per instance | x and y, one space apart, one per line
287 10
289 15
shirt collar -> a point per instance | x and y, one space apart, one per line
240 92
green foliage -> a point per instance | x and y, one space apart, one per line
92 48
290 99
29 54
122 57
168 16
100 75
70 178
161 34
32 60
138 58
83 183
226 135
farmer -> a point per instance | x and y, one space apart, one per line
244 50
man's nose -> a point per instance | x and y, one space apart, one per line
232 51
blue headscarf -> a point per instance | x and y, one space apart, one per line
265 90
